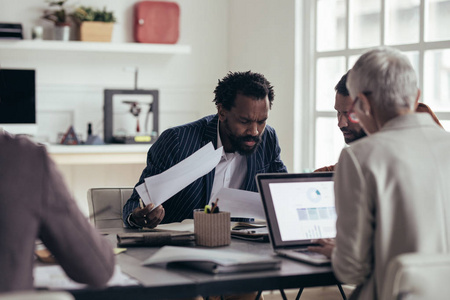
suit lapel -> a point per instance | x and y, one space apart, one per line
254 162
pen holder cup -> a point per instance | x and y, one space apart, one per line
212 230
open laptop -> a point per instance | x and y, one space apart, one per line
299 208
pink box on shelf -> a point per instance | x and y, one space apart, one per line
156 22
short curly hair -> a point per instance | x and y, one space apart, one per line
341 87
248 83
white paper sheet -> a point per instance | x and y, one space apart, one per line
241 203
161 187
54 277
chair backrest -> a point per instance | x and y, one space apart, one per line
35 295
417 276
105 206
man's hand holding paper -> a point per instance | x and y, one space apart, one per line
159 188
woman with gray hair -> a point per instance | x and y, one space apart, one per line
391 189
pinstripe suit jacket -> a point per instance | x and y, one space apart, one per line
178 143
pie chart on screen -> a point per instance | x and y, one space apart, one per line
314 195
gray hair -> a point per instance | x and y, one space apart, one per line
388 76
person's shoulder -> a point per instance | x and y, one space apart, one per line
200 123
19 143
270 131
193 130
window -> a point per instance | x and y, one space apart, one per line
346 28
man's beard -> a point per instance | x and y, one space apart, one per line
356 135
237 142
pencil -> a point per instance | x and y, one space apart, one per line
214 205
141 203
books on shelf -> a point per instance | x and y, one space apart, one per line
213 260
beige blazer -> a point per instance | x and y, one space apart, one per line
35 203
392 196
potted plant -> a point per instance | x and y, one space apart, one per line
95 25
57 14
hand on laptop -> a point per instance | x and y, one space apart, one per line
325 247
146 217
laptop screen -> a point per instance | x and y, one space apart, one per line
298 207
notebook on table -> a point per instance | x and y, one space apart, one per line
299 208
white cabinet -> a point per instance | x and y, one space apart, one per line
85 167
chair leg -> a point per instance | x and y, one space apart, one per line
299 294
283 295
258 295
342 291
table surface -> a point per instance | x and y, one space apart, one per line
158 282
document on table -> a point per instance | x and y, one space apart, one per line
241 203
159 188
213 260
54 278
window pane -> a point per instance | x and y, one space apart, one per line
437 20
351 61
364 29
437 79
329 142
331 20
402 21
329 71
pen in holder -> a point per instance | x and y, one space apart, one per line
212 229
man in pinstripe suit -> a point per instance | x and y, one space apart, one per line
243 101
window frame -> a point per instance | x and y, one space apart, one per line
311 56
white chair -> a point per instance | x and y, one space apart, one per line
35 295
106 204
416 276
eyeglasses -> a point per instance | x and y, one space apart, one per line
351 115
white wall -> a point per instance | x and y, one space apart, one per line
70 85
261 37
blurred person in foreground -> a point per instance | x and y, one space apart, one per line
391 188
35 204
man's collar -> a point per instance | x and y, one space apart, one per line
219 141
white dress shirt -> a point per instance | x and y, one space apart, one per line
231 170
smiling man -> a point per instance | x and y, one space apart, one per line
243 101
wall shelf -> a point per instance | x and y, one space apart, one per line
94 47
99 154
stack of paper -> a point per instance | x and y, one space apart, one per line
213 260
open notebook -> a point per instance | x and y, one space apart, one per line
299 208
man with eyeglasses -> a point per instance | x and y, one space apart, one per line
391 188
352 131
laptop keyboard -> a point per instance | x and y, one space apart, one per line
309 253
